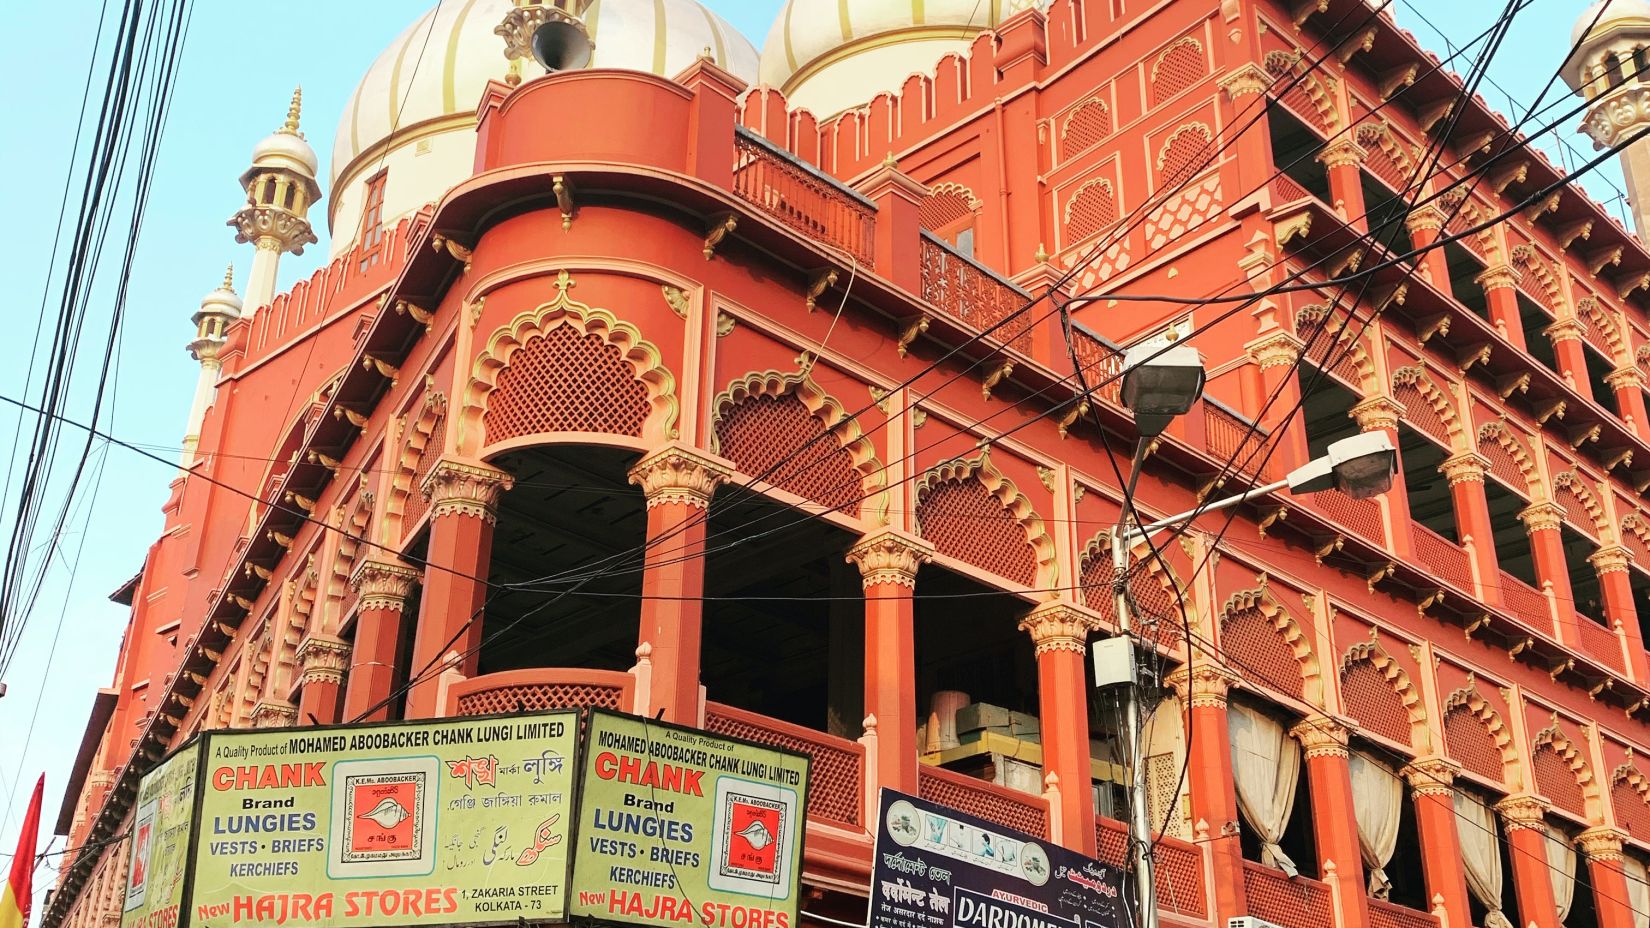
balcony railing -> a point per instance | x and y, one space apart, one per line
1179 868
806 200
1600 642
541 689
1361 516
1286 189
1445 558
1231 437
1527 603
1383 914
1293 902
1007 807
837 776
1101 363
973 294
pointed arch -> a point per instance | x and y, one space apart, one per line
1092 208
1427 406
1275 649
1085 127
955 503
1305 94
765 391
423 439
1562 773
1466 213
1184 153
1607 324
1478 739
1352 362
947 202
1386 155
576 405
1378 693
1537 277
1635 535
1630 797
1509 459
1152 584
1569 487
1180 66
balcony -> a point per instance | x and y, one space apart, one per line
1292 902
1446 558
802 197
973 294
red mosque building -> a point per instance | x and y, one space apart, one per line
700 383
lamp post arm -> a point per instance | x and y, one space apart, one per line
1174 521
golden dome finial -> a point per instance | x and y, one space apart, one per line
290 127
229 278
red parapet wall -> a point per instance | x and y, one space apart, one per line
1178 873
346 281
541 689
1384 914
836 780
801 198
1292 902
1007 807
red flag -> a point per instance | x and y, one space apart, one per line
14 903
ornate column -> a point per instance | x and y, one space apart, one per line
678 481
888 562
1341 158
1611 563
1501 293
1253 162
1544 520
1465 471
1323 742
1059 631
322 660
274 713
1600 847
1202 690
463 513
1432 788
1276 353
1525 818
383 588
1382 413
1628 385
1571 354
1424 225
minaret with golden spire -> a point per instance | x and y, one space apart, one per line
280 188
1610 67
217 310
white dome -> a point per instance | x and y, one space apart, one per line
221 301
286 151
1617 13
886 40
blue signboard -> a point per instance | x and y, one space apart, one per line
936 867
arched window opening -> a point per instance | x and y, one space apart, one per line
1612 63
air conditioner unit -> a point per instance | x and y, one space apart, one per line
1249 921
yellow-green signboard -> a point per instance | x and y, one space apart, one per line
456 821
160 842
682 827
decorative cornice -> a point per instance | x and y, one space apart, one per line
383 586
1601 842
323 659
1464 467
1275 349
1568 329
1058 627
456 488
1377 412
1542 515
1609 559
1431 776
1342 152
274 713
678 473
1204 685
1523 810
1321 737
890 558
1497 277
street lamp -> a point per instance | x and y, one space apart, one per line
1159 384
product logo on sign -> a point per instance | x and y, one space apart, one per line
753 847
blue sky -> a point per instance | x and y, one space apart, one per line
237 74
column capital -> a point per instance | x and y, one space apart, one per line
1321 737
1497 277
1277 348
1059 626
323 659
1568 329
679 473
1625 378
890 557
1523 810
1601 842
1431 776
1610 558
274 713
1244 80
384 585
1377 413
1203 685
1464 467
1342 152
1542 515
1425 218
465 488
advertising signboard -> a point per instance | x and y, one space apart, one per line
160 842
935 867
682 827
459 821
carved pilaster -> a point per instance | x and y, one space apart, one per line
1342 152
1464 467
465 489
890 557
677 473
383 585
1275 349
1428 218
1523 810
1601 842
1625 378
1378 412
1609 559
1431 776
1542 515
1245 80
1497 277
274 713
1320 737
1059 627
1569 329
1204 685
323 659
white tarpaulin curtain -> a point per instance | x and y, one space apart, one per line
1266 766
1377 800
1561 863
1481 853
1638 889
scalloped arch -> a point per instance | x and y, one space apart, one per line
644 358
1009 497
1261 600
1281 64
1088 123
826 408
947 202
1553 738
1572 480
1158 569
419 430
1187 55
1199 129
1415 377
1525 259
1606 323
1635 778
1351 347
1468 699
1379 136
1420 734
1497 434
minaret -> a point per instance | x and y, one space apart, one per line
218 309
280 188
1611 68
